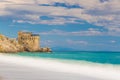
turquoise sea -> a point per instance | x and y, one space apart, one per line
95 57
100 65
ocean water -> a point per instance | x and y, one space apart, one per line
99 65
95 57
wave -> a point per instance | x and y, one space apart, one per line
101 71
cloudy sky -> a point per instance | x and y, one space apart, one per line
65 24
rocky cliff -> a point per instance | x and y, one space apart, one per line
9 45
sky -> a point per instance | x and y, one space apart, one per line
71 25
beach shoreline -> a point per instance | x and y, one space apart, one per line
40 69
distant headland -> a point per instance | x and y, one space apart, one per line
26 42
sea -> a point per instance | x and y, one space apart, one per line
112 58
102 65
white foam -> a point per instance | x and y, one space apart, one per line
106 72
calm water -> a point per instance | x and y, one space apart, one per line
98 65
96 57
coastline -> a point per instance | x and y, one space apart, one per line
25 42
39 69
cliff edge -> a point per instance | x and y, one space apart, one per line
27 42
9 45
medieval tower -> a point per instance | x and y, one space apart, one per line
31 42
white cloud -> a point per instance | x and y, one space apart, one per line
95 12
113 41
74 42
89 32
68 42
47 43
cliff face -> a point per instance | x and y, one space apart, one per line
9 45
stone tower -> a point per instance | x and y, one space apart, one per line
31 42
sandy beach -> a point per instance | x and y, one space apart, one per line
18 68
11 72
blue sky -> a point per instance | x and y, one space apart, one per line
90 25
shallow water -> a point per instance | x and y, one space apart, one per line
96 57
72 63
81 68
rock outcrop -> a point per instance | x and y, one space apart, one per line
8 45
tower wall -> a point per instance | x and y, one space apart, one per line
29 41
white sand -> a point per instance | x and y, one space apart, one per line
18 68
